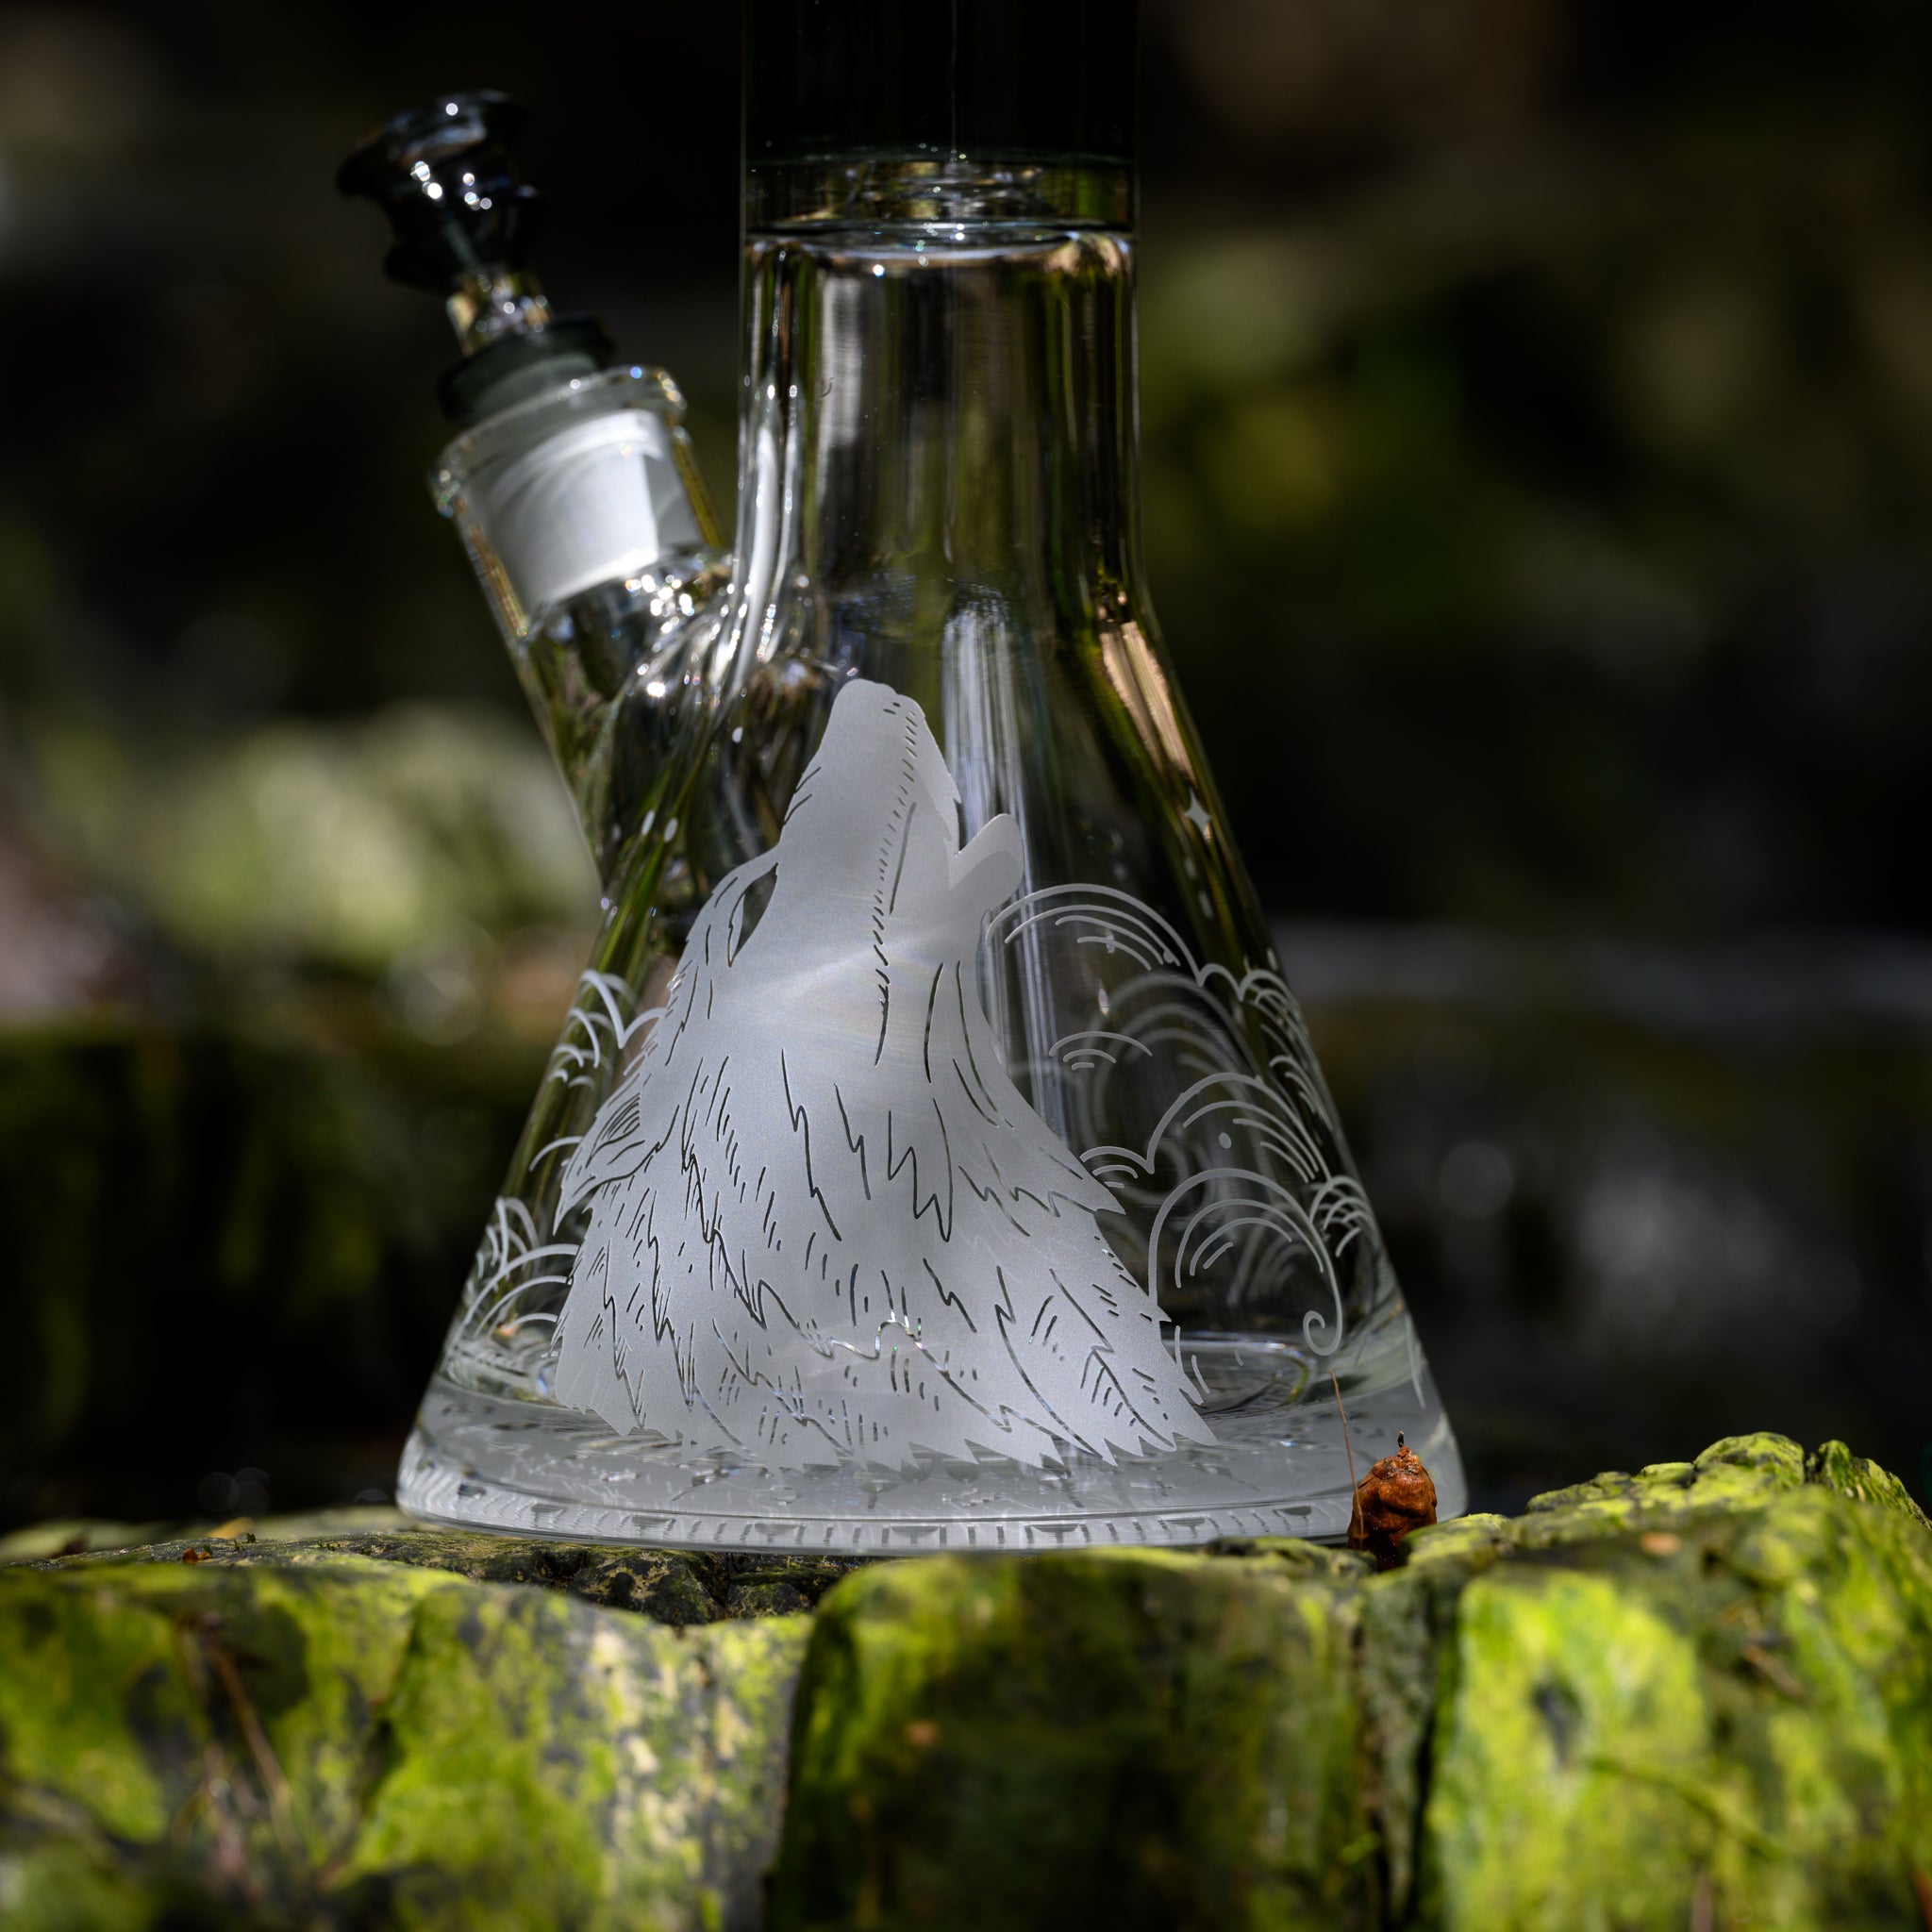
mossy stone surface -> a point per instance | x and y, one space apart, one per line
360 1743
1698 1695
1732 1719
1138 1738
678 1587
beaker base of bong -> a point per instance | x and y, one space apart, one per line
1279 1466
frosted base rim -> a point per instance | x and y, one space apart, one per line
477 1462
435 1493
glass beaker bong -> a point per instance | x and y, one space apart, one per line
934 1155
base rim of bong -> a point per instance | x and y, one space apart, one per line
1281 1468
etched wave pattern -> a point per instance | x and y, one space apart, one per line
803 1211
1234 1189
818 1219
503 1334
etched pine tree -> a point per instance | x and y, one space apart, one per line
822 1222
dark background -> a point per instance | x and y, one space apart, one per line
1538 411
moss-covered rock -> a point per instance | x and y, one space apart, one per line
1698 1695
358 1742
1131 1738
668 1586
1737 1711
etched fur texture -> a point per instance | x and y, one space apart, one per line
822 1222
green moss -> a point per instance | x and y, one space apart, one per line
1740 1472
67 1885
359 1742
1572 1730
1704 1688
1700 1693
1612 1483
1777 1458
1735 1706
668 1586
1129 1739
1297 1557
1465 1541
1864 1481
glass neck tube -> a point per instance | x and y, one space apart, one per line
940 406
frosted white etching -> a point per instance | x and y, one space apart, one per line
822 1220
1242 1171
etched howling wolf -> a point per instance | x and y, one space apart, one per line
822 1220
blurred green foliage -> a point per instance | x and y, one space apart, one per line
221 1248
1537 399
351 846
